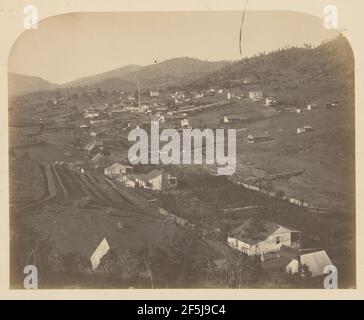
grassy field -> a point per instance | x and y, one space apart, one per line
326 154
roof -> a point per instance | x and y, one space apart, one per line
235 91
256 136
90 146
216 250
117 165
149 176
236 116
253 231
126 177
99 142
316 262
97 157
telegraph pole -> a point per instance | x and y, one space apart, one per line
138 95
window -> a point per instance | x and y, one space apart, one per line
295 236
278 240
172 181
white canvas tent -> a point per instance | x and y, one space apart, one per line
100 251
315 261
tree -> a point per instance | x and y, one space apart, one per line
120 265
246 271
304 271
280 194
179 264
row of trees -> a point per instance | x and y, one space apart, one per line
183 262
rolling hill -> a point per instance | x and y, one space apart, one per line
105 76
19 84
295 73
172 72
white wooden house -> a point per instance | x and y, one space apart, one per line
152 180
255 95
185 124
91 113
255 237
127 180
118 169
257 139
90 147
154 93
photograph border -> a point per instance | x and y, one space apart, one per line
351 23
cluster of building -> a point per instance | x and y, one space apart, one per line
278 246
241 94
154 180
187 96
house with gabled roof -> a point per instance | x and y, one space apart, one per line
127 180
257 237
255 95
98 160
90 147
117 169
152 180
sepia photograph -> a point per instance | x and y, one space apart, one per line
182 150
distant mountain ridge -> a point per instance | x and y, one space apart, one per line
21 84
325 68
105 76
172 72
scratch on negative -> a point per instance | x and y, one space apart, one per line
241 28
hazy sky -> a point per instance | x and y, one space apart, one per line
67 47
